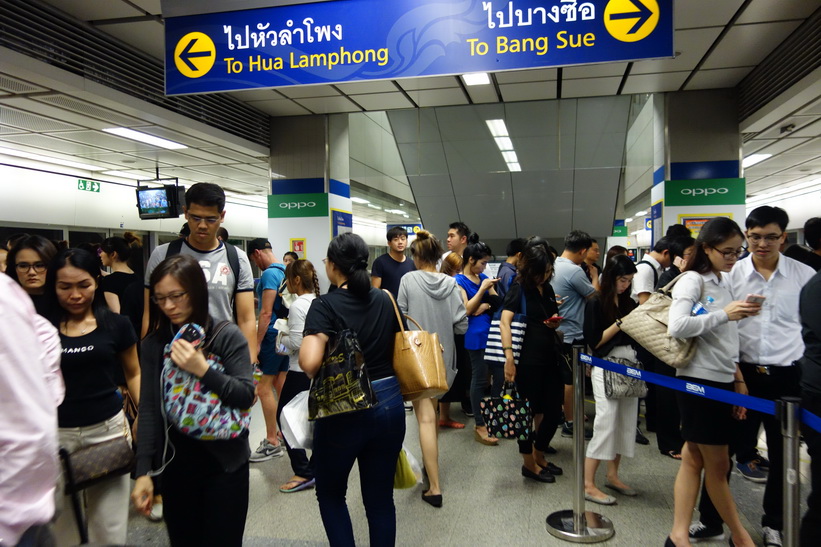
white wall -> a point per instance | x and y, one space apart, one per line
35 197
799 208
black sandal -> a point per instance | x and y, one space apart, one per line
675 454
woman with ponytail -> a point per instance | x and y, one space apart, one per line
302 282
373 436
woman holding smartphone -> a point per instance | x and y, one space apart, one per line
205 482
703 307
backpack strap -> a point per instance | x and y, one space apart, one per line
233 261
653 269
174 247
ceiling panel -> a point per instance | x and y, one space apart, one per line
150 6
32 122
594 71
690 47
361 88
382 101
528 91
91 10
532 75
171 157
425 158
490 214
766 10
783 145
329 105
787 127
434 82
308 91
280 107
748 45
431 185
438 97
106 141
123 161
116 119
718 78
256 95
16 85
147 36
704 13
654 83
47 143
590 87
482 94
756 144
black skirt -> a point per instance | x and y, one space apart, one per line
705 421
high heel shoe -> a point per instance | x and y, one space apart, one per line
669 542
489 441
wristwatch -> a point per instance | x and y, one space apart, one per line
618 323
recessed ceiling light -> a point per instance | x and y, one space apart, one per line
144 137
514 167
372 206
48 159
504 143
359 200
477 78
497 128
641 213
510 156
628 220
752 159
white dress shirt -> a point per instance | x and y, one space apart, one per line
645 278
717 345
773 337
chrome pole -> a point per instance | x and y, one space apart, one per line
788 408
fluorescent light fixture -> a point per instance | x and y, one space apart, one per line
372 206
277 176
504 143
514 167
47 159
637 232
752 159
368 222
124 175
510 156
628 220
359 200
497 128
477 78
144 137
395 211
786 193
640 213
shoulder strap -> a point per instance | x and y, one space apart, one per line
174 247
653 269
669 287
214 333
233 261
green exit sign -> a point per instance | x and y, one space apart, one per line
88 185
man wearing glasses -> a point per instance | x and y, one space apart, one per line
228 273
770 346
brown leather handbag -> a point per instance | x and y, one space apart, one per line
418 361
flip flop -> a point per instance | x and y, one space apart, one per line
451 424
673 454
298 485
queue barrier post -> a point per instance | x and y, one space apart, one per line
788 410
577 525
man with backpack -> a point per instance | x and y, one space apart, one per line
648 270
274 366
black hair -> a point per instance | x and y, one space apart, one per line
680 244
577 241
349 253
82 260
291 254
222 233
553 251
477 250
515 246
205 194
618 266
185 231
661 245
678 230
613 251
761 216
461 229
812 233
188 273
40 245
536 261
396 231
426 248
714 232
117 245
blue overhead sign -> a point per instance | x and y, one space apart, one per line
355 40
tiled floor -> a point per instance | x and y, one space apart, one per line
486 500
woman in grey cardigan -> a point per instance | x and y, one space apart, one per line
436 302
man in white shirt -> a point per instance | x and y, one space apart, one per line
649 269
770 345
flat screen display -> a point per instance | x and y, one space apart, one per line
155 203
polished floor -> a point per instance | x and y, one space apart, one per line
486 500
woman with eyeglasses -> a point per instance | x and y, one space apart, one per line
204 482
371 437
96 342
27 263
703 307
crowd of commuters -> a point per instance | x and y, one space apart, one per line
81 361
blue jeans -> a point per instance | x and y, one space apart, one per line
374 438
478 382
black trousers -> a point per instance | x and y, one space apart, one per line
544 388
781 382
295 382
662 408
811 523
202 503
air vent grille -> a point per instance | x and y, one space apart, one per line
791 61
47 34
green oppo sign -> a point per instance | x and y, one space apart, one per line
297 205
705 192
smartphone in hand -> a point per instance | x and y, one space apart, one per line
190 332
755 299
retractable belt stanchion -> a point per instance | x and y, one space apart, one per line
577 525
788 408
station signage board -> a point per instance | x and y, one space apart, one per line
360 40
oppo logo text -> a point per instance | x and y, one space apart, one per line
297 205
703 191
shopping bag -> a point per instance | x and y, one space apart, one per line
293 420
507 416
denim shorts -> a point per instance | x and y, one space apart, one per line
270 361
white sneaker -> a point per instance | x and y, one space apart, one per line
700 532
772 538
156 513
267 451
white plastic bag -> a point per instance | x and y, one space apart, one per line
296 428
415 465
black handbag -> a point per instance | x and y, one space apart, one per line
341 384
507 416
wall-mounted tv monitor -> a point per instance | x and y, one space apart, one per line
162 202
